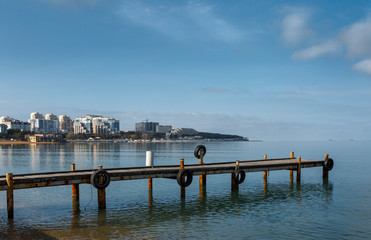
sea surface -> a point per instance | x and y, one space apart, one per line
339 208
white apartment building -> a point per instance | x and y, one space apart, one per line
65 124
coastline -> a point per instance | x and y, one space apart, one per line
24 142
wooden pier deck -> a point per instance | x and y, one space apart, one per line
48 179
100 178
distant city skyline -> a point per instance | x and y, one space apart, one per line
270 70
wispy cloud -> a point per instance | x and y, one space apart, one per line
363 66
294 25
194 20
357 38
327 48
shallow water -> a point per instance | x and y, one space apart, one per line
337 209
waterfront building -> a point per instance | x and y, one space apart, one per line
49 124
96 124
14 124
82 125
36 115
163 128
146 126
180 132
3 128
65 124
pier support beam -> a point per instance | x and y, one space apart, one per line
292 171
182 189
233 182
9 195
324 171
202 181
101 195
265 174
298 172
75 194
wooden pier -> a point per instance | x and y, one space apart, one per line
100 178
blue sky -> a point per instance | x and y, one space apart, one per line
271 70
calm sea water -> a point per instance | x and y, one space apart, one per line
337 209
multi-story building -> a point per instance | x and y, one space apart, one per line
96 124
163 128
50 124
146 126
65 124
14 124
3 128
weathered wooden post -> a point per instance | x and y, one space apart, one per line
10 195
182 189
101 194
265 174
75 194
234 183
149 163
292 171
325 171
298 172
265 179
202 176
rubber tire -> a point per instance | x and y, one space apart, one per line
200 151
328 164
237 178
184 173
94 179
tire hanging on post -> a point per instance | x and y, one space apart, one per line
96 177
239 176
328 164
181 176
200 151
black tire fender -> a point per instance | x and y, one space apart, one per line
96 177
200 151
184 173
328 164
239 176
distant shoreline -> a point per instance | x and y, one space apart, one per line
113 141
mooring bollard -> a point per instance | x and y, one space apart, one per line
75 194
298 172
101 195
10 195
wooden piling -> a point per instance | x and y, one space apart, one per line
75 194
101 195
265 172
182 189
233 182
298 172
10 195
324 171
291 171
202 181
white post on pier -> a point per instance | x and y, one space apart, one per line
149 159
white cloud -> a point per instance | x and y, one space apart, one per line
326 48
295 26
357 38
194 20
363 66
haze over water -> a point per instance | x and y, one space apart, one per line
337 209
